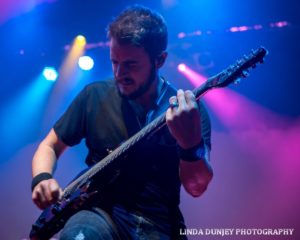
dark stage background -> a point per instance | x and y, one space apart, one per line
256 124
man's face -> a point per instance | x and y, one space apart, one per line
132 69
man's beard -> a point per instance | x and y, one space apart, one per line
142 89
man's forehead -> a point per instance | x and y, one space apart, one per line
126 51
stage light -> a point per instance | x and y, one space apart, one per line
257 27
86 63
181 67
80 40
195 78
50 74
279 24
181 35
234 29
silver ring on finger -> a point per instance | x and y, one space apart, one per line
174 104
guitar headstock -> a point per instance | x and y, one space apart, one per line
238 70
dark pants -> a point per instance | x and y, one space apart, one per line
98 225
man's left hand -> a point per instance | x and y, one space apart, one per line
183 119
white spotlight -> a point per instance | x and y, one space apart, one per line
86 63
181 67
50 74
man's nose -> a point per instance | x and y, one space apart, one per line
121 70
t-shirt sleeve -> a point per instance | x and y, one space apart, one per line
70 128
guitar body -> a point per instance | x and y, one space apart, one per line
53 218
94 181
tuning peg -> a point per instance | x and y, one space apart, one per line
254 66
239 62
237 81
245 73
262 60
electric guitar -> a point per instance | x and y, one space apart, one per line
81 190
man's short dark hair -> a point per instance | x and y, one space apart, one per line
141 27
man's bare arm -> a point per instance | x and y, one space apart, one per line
44 160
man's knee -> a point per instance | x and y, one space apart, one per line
89 225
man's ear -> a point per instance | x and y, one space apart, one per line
160 60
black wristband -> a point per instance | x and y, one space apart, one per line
40 177
192 154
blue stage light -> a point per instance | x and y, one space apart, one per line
50 74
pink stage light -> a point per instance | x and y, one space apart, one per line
279 24
181 35
259 130
259 151
257 27
272 141
195 78
13 8
239 29
234 29
243 28
198 33
234 110
181 67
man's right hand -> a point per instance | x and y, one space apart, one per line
46 193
